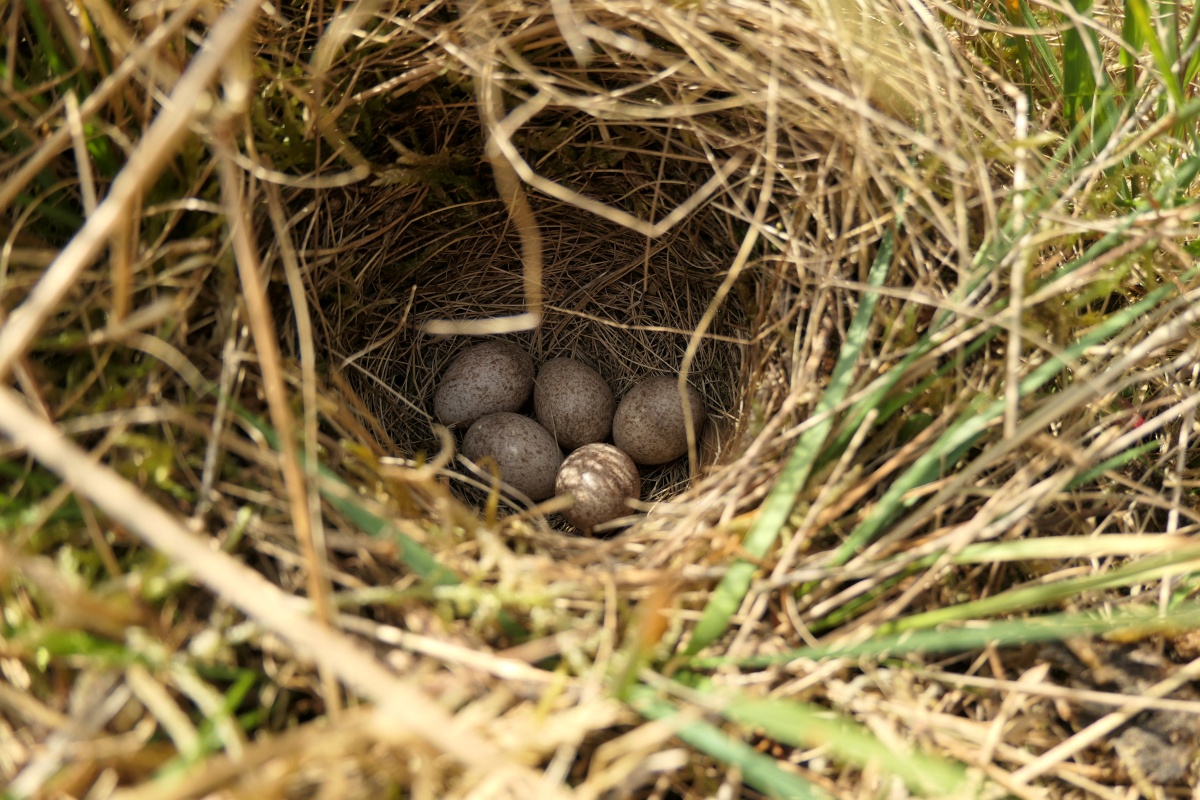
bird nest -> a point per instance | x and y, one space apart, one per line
625 304
634 204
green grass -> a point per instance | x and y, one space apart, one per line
1134 622
779 504
956 452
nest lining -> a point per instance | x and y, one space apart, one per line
625 304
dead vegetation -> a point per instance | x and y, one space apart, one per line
937 542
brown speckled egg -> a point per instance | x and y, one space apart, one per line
649 423
483 379
573 402
527 454
600 478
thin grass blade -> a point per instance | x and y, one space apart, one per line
729 593
1131 34
1144 570
806 726
1114 463
971 424
416 557
1079 74
973 635
760 771
1139 10
1045 56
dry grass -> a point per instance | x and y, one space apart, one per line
937 542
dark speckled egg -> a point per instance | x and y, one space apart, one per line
526 453
484 379
649 423
573 402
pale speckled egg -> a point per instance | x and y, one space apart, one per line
649 423
573 402
601 479
526 453
483 379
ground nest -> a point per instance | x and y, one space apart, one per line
677 230
615 299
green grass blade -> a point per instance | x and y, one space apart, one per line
876 395
412 553
779 503
1189 36
1025 57
420 560
49 643
1143 570
1045 55
971 424
1168 22
1116 462
54 62
1079 77
807 726
1131 34
54 211
760 771
233 699
1139 10
975 635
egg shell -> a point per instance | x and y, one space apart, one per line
526 453
484 379
600 478
649 423
573 402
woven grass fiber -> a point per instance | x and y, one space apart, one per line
703 196
295 588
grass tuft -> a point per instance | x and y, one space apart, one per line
932 266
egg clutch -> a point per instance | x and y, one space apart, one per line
486 386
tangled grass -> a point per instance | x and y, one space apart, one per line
932 266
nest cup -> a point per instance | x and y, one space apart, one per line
431 240
621 302
775 198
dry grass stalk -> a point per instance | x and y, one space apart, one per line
654 188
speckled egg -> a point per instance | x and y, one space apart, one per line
484 379
573 402
526 453
601 479
649 423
